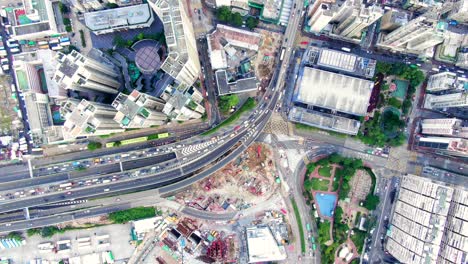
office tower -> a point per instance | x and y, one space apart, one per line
77 72
139 110
182 62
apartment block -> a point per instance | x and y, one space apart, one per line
182 62
139 110
89 119
393 19
444 145
358 20
429 222
80 73
446 81
416 36
441 102
444 127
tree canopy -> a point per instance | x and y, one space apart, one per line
226 102
371 202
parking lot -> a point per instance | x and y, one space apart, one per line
119 236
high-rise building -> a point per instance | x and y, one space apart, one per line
89 119
324 12
429 222
454 100
444 127
359 20
444 145
393 19
77 72
182 62
446 81
139 110
459 11
416 36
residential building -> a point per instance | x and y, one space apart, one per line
182 106
182 62
428 223
459 11
358 20
224 43
34 20
444 145
444 127
416 36
92 4
446 81
323 12
89 119
119 19
393 19
138 110
273 11
420 6
80 73
440 102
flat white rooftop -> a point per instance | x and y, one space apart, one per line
118 17
262 245
334 91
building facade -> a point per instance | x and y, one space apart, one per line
80 73
182 62
138 110
444 127
446 81
416 36
89 119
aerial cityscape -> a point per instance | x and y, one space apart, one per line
219 131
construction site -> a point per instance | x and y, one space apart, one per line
248 180
175 239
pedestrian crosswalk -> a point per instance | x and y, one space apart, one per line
191 149
70 202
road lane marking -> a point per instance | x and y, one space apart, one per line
30 169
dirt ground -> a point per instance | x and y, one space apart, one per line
248 180
9 120
267 52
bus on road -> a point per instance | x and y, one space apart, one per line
308 227
282 54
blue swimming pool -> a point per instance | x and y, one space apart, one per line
326 203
